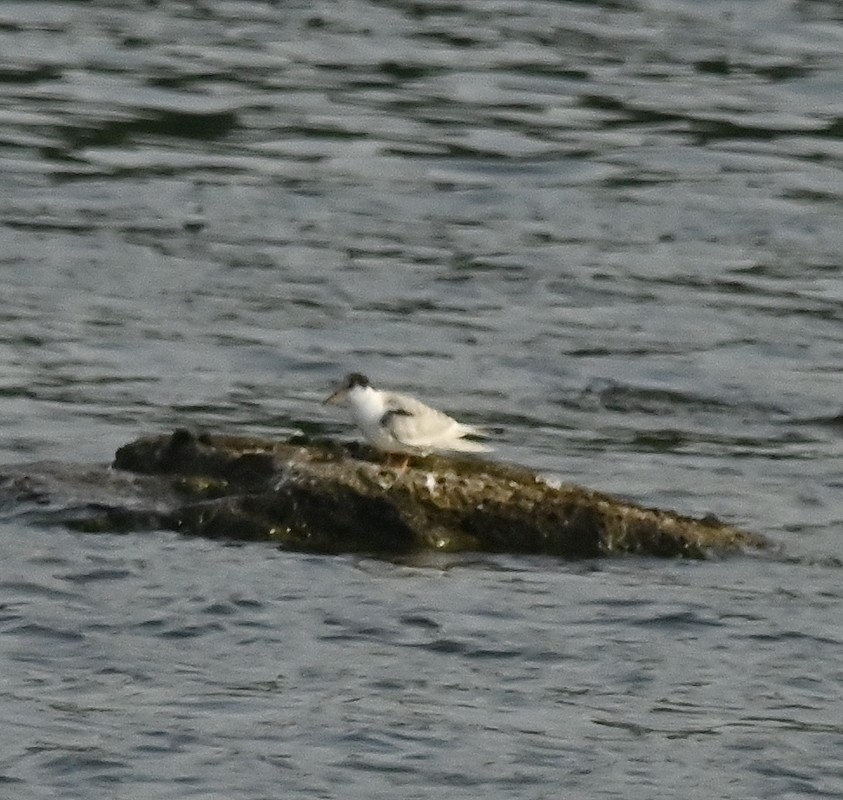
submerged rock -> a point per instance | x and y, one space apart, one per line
318 495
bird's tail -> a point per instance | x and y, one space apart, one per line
468 445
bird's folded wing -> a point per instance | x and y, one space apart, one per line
415 424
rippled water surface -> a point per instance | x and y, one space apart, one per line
610 231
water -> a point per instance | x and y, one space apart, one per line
611 231
148 666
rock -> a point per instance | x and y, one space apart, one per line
318 495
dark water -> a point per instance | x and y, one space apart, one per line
610 230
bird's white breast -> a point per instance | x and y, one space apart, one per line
368 407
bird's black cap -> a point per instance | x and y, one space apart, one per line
355 379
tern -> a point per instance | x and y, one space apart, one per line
398 423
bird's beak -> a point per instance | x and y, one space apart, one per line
337 397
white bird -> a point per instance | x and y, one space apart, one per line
398 423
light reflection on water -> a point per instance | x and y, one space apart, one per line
610 232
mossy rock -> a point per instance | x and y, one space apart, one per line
323 496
